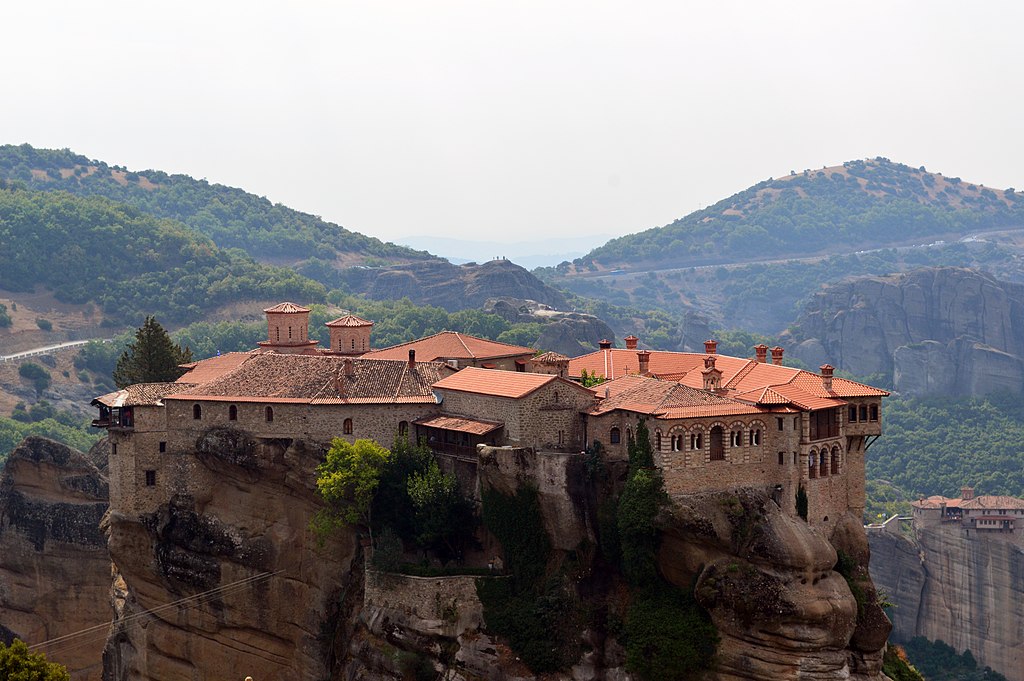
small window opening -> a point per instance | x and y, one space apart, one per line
835 461
197 412
113 449
874 412
346 427
755 437
615 436
863 412
268 414
163 447
150 478
696 441
232 413
812 465
736 438
782 458
823 463
779 422
853 413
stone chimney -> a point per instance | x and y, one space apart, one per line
777 355
710 346
712 376
966 493
826 377
604 344
631 342
644 358
761 353
412 358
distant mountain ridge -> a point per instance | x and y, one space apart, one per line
860 204
231 217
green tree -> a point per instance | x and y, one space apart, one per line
347 480
443 515
39 376
151 358
17 663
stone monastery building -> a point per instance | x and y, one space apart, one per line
716 422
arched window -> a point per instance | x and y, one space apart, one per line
278 330
615 436
717 444
874 412
353 343
289 333
755 437
835 460
232 413
403 428
696 441
197 412
736 438
556 397
346 427
823 463
657 439
812 465
268 413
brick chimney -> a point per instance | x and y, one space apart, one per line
761 352
966 493
412 358
631 342
826 376
604 344
710 346
644 357
712 375
777 355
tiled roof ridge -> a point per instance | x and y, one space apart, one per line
287 307
741 374
340 321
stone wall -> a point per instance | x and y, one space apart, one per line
445 605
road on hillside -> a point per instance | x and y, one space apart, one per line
47 349
621 275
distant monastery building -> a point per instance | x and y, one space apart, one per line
716 422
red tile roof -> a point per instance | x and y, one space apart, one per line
205 370
349 320
665 399
287 308
993 503
140 394
514 384
745 379
321 379
450 345
461 424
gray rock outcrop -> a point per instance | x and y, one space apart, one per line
934 330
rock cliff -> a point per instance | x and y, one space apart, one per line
251 591
54 567
964 589
453 287
569 333
934 330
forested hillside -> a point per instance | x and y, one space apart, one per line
861 204
90 249
231 217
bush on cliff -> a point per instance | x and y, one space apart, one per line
17 663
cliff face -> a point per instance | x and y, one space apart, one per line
936 330
254 592
54 567
770 584
453 287
964 589
564 332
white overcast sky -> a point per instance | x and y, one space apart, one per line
515 120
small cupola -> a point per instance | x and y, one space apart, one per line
712 375
350 335
288 329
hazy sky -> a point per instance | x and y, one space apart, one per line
515 120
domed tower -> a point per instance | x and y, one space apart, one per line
287 330
350 335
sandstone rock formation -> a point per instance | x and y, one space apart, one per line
564 332
769 582
942 330
54 567
964 589
251 591
453 287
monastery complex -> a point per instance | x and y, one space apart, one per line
716 422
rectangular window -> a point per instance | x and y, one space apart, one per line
782 458
853 413
778 420
113 449
163 447
863 412
874 412
150 478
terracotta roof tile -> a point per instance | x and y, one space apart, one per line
322 379
550 357
665 399
449 345
287 308
349 320
206 370
462 424
514 384
992 503
140 394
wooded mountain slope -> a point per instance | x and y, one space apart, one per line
231 217
90 249
859 204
